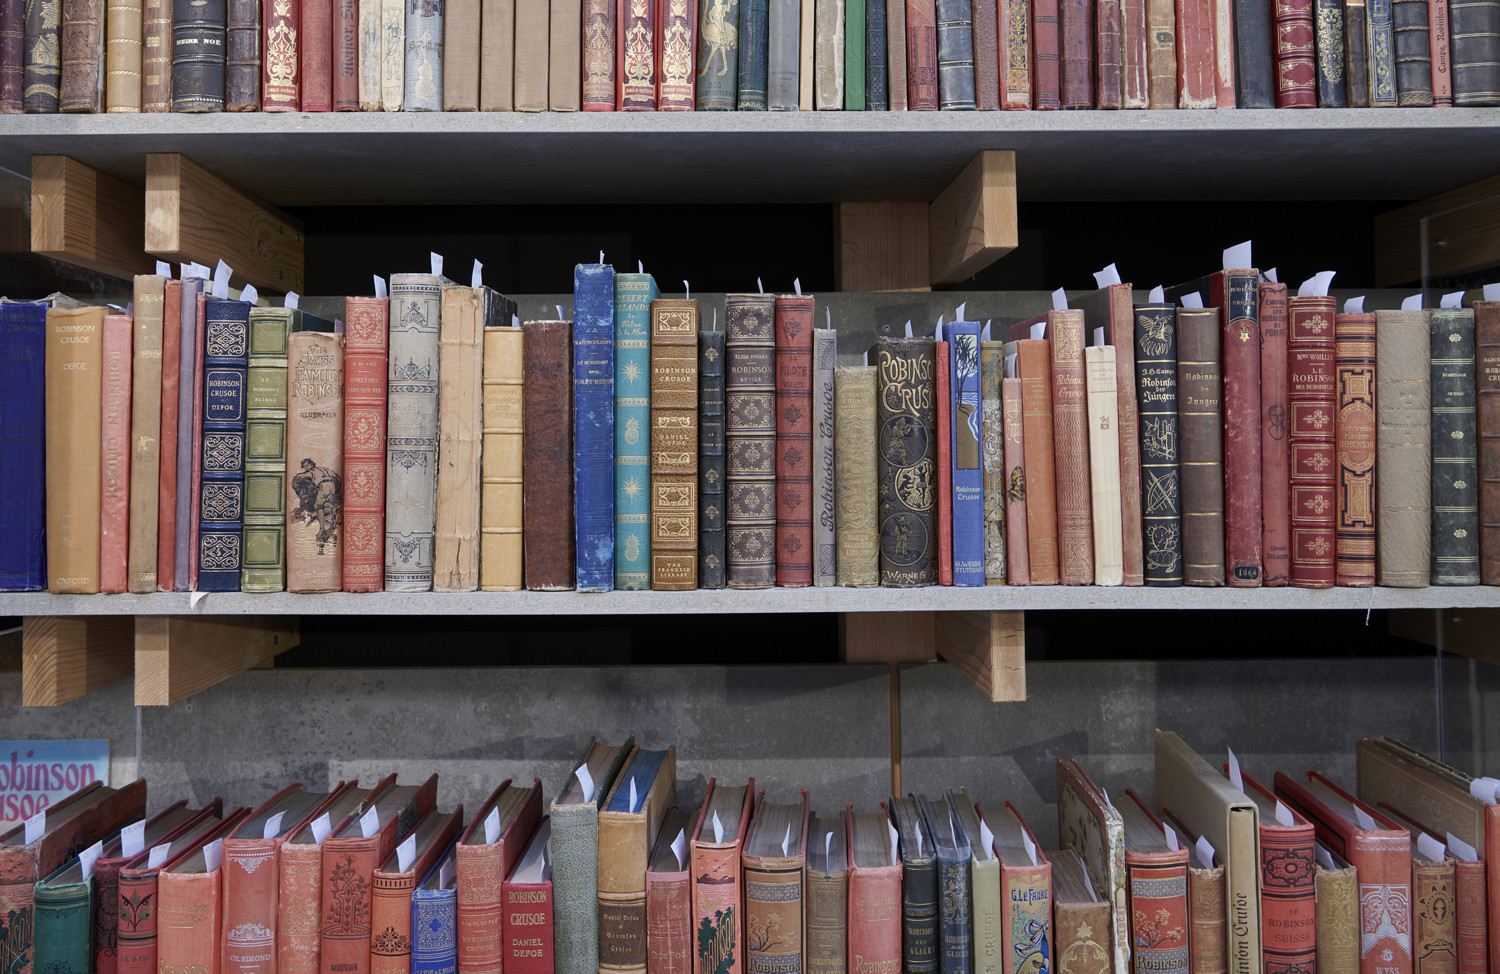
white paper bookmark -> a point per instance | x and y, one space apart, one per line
987 840
1039 330
640 267
797 286
437 263
759 287
1030 846
1171 836
492 827
1317 285
476 279
895 843
1235 778
1431 848
1454 299
984 333
937 333
1355 306
1060 299
249 295
601 258
1484 789
1158 295
380 291
36 826
1110 275
1491 291
406 852
1284 814
959 314
369 823
273 826
158 856
1270 276
321 826
221 280
213 855
195 597
445 874
133 839
908 327
1205 852
679 848
1324 857
827 849
1364 819
89 856
1237 256
515 321
163 269
786 840
559 312
1194 300
292 300
687 291
718 830
1412 302
632 805
1461 849
1099 337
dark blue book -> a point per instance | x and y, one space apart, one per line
955 38
221 505
594 425
23 460
754 55
875 59
966 433
711 459
434 919
956 904
1156 395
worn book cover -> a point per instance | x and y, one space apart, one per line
826 895
1354 448
711 512
1314 468
575 853
466 312
629 820
366 366
145 430
412 432
1156 393
875 888
1200 420
594 421
189 902
1455 450
669 895
263 568
487 852
1403 446
794 440
315 462
500 510
992 452
674 444
718 898
906 461
1155 890
774 857
920 939
750 438
855 487
1088 825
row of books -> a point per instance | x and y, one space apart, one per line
623 878
684 55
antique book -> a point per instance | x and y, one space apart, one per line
62 920
674 445
718 904
805 58
875 892
1136 41
1082 917
711 511
1017 543
904 416
487 852
1413 53
1162 54
1474 27
497 56
43 61
601 38
1382 53
750 438
13 57
1235 292
1155 890
778 92
23 463
1487 392
315 48
243 59
220 490
992 459
773 858
955 55
166 501
462 54
423 68
281 80
794 440
1201 460
366 386
1455 450
1328 30
677 27
412 431
564 56
1224 59
919 888
1111 309
467 313
896 16
1206 918
1109 40
138 891
263 563
198 55
855 488
1156 392
315 460
594 425
526 923
635 56
919 60
1255 64
503 430
1034 358
955 897
1354 447
368 51
632 425
1015 33
1337 889
546 473
1296 72
1435 901
1275 516
575 855
73 409
434 915
1356 54
669 896
877 97
531 69
189 903
716 82
1089 825
629 820
114 456
986 886
828 55
122 56
1075 38
825 892
1104 463
1288 907
824 361
942 404
81 36
394 882
965 436
853 65
392 55
1403 477
1314 468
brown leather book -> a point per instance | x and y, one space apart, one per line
114 458
855 482
1314 468
1274 487
750 439
74 397
467 311
145 431
315 462
1196 87
1161 53
875 915
156 57
1354 446
1075 36
82 40
497 55
629 820
1236 293
1035 366
826 895
670 940
1075 533
487 852
1201 460
122 57
1487 373
674 445
547 459
463 45
1336 891
395 880
794 460
1017 548
1081 917
1109 40
1133 41
500 516
243 56
1403 476
189 902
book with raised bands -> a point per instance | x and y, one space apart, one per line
794 440
315 459
1487 378
1201 458
221 493
1274 485
674 445
1455 450
711 512
546 467
1314 468
1236 292
263 566
750 438
500 510
629 821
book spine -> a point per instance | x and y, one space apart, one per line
546 467
711 512
263 566
1413 53
674 450
1433 913
1121 335
919 916
423 70
500 511
1237 293
1328 24
1455 455
1199 419
1037 436
805 65
1075 36
594 426
1337 897
1135 41
198 55
43 61
390 915
600 29
677 21
392 54
345 57
106 919
921 56
62 924
992 406
1439 54
1026 925
1382 53
669 924
1274 485
1255 65
853 75
1473 937
298 909
717 79
435 950
855 489
73 400
955 907
1223 53
250 905
986 45
242 71
1475 33
782 43
145 432
480 908
875 920
826 898
905 456
824 361
1017 547
462 53
897 94
315 463
632 429
1356 54
369 56
281 85
1314 473
166 503
1382 860
955 52
750 439
1071 438
1156 389
526 929
877 98
1104 463
966 432
1296 71
565 55
122 85
718 909
1161 53
773 893
943 414
1158 898
191 525
114 459
315 33
191 921
12 56
1487 377
1015 35
137 921
412 432
1403 477
637 67
1206 903
1354 447
1288 906
1109 39
348 870
366 387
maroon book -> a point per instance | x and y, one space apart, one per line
1296 64
1236 293
1313 463
943 407
1048 80
316 43
921 56
794 325
1110 31
281 85
1076 36
1354 442
1196 85
1275 555
1135 92
547 458
989 61
345 26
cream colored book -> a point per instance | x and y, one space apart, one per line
392 55
462 43
805 56
828 55
460 415
369 55
500 490
1104 463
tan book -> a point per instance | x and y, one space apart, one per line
1336 888
531 55
828 55
1081 919
629 820
1403 473
462 57
369 55
895 53
1104 463
122 57
674 444
826 895
805 57
392 55
315 462
74 407
497 55
1208 923
855 484
564 56
500 488
460 417
145 431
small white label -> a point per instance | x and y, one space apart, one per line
908 327
585 781
320 828
797 286
679 849
1170 836
1363 817
984 333
986 840
293 300
1039 330
1030 846
786 840
195 597
406 852
1325 858
1412 302
36 826
158 856
1283 814
1060 299
1270 276
476 279
163 269
133 839
1205 852
1355 306
380 291
632 806
1158 295
1491 291
1454 299
437 263
369 822
492 827
213 854
1099 336
1431 848
249 295
1110 275
687 291
895 842
959 314
718 830
1194 300
89 856
273 826
1235 778
445 874
221 280
1238 256
1461 849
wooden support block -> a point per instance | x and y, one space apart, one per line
191 214
883 247
1467 632
1460 235
987 647
973 222
886 637
177 656
64 657
81 216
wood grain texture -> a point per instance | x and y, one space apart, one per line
1467 632
192 214
987 647
883 247
1460 235
973 221
63 658
177 656
886 637
84 217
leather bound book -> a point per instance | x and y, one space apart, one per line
895 54
875 892
750 438
531 41
462 55
1382 53
718 897
635 67
1356 54
575 855
114 458
433 916
919 889
366 386
965 436
198 55
315 462
1109 31
73 404
1328 28
986 55
985 885
500 510
1236 294
856 481
1034 358
794 436
1075 39
497 56
824 361
1314 468
674 445
345 27
1199 421
467 312
1082 917
826 895
906 462
12 56
316 51
487 852
1288 909
393 55
122 56
1337 892
189 903
629 820
43 61
281 83
754 55
774 857
139 908
632 429
1274 485
711 512
955 44
601 39
877 98
392 886
143 438
1135 40
166 503
943 414
1455 450
669 897
1104 464
242 70
1413 53
221 509
1403 476
1472 916
1224 59
677 25
956 898
527 919
1475 32
546 472
81 88
1156 390
423 67
781 86
1071 439
1254 56
1017 545
1435 904
1207 920
1487 379
412 432
1110 308
1091 827
1156 891
992 458
1015 31
61 922
919 61
1161 53
716 83
1354 445
23 464
1296 71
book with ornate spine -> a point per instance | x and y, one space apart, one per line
1336 890
824 361
412 431
392 887
1474 26
966 434
718 898
677 30
1296 69
166 485
1090 826
122 57
366 386
1104 463
1487 391
242 70
114 457
629 820
855 486
716 84
466 314
368 21
164 826
1070 436
527 919
1201 460
346 71
1207 918
81 34
315 49
794 440
1135 41
1082 918
43 62
487 852
956 897
711 512
896 15
144 433
1017 547
1275 512
423 68
1434 899
1015 36
636 66
905 462
875 887
1413 53
1354 448
392 55
263 567
61 927
1235 292
281 82
462 55
943 447
23 446
1034 357
73 407
919 889
853 55
189 902
1156 891
1356 54
825 890
1403 476
1455 450
1328 30
1162 54
600 39
594 424
546 470
1313 464
1382 53
750 438
632 430
434 914
674 444
315 459
1109 40
198 55
828 55
876 96
985 885
991 375
919 59
1156 391
1288 908
774 857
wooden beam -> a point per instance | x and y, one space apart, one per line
1460 236
1467 632
177 656
987 647
81 216
887 637
883 247
191 214
973 222
64 657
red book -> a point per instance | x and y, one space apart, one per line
1195 54
794 325
1109 30
1313 463
670 940
1354 446
526 922
921 56
1442 69
1223 20
1035 365
487 852
718 895
281 87
1155 889
1046 45
137 894
193 522
601 42
316 48
345 28
1288 907
943 390
393 884
1076 47
1275 522
635 68
1487 382
1296 64
1017 559
1070 430
1471 915
166 502
365 341
676 47
874 893
189 903
1236 293
114 457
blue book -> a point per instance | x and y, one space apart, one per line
23 459
955 38
966 433
434 919
594 425
754 16
633 296
221 505
875 55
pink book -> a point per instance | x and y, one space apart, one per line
192 521
365 338
114 458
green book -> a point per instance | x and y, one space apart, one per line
854 55
63 924
633 296
264 565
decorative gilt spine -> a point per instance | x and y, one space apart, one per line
750 439
1354 444
1455 453
281 76
1337 896
504 431
145 432
675 89
855 487
411 432
264 566
599 30
1314 472
674 444
122 86
366 378
1434 910
1156 391
156 56
906 462
991 375
827 899
632 402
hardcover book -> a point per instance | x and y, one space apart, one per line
531 36
716 83
316 53
1089 825
73 409
677 26
1134 43
462 54
392 55
546 474
1288 907
281 82
1354 447
1455 450
1104 463
919 888
43 62
1382 53
1413 53
875 891
956 897
1200 424
1435 898
779 92
674 446
992 407
114 458
987 907
434 918
145 429
855 86
955 54
594 423
1206 895
1473 26
1043 526
824 361
189 523
222 492
242 70
718 904
424 59
263 566
412 432
1111 308
500 511
1274 483
1337 889
575 855
1015 32
1328 25
1403 476
669 896
750 438
1296 74
166 502
828 55
1162 54
487 852
138 892
1356 54
1109 41
23 442
943 447
1487 378
600 40
794 440
711 513
395 881
774 857
876 41
1075 37
632 430
315 459
497 56
198 55
1236 294
905 462
629 820
366 387
966 434
467 312
856 482
826 895
1156 890
1082 917
635 65
60 929
1255 62
189 902
527 920
1017 545
1224 60
1156 390
1314 476
368 50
